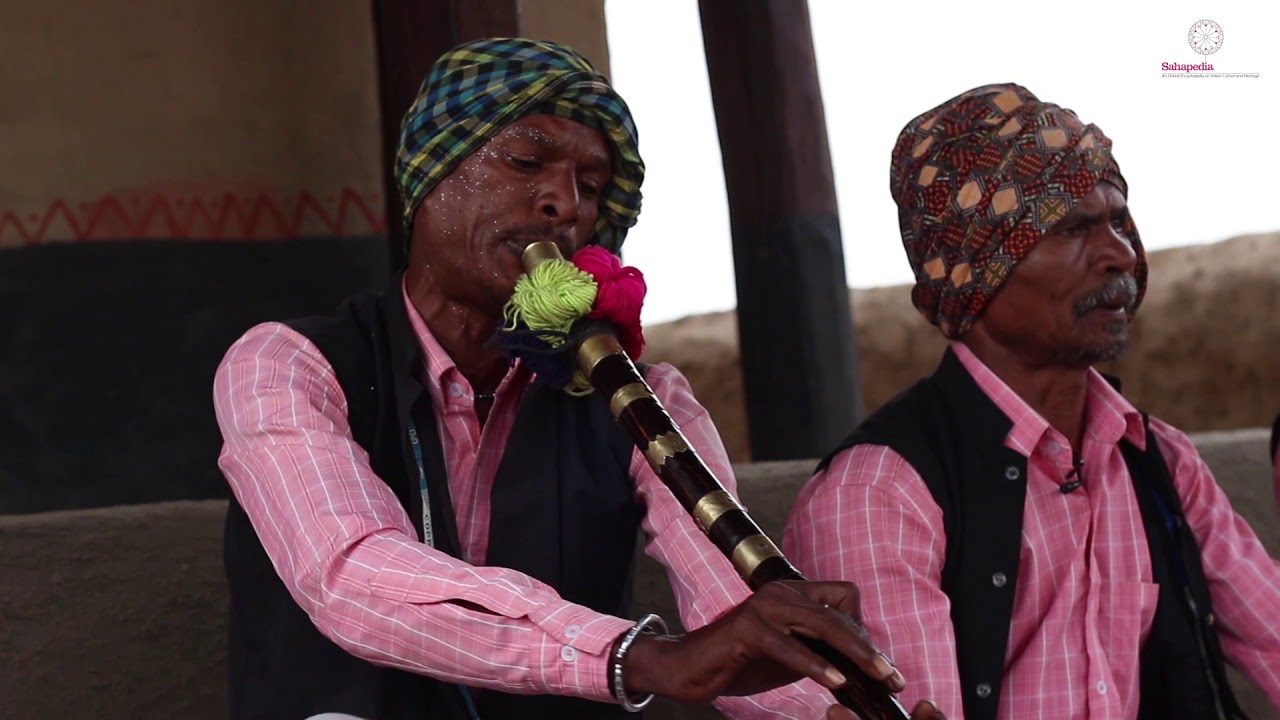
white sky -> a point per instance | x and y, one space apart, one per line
1202 155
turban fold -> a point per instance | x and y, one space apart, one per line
978 181
480 87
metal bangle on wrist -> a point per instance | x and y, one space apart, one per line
650 624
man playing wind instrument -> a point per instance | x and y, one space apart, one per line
419 529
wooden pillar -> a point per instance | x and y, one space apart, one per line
795 325
411 35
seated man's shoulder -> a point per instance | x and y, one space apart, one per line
1174 442
271 357
265 341
902 420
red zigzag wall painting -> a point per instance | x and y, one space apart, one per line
259 216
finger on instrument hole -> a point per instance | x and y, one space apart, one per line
787 651
848 639
842 596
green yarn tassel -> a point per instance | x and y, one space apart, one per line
579 387
552 296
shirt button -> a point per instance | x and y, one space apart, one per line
1053 447
983 690
455 389
1102 688
573 631
1012 472
568 654
999 579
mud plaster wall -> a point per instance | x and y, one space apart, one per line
170 175
1204 351
147 118
149 100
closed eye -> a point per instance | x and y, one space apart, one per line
524 162
1072 230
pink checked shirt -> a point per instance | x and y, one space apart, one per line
1084 599
349 553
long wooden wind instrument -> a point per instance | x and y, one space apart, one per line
611 373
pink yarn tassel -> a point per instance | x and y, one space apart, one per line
619 295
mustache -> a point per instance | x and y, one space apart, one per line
1119 290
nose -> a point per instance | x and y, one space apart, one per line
557 196
1117 251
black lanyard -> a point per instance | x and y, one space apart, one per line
428 537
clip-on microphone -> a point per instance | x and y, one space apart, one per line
1077 463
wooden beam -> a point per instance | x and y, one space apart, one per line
795 325
410 36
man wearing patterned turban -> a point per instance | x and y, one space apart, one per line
1056 552
419 529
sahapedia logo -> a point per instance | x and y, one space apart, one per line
1205 37
1179 67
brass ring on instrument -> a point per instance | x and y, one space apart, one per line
664 446
596 348
711 506
626 395
536 253
751 551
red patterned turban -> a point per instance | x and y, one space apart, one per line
978 181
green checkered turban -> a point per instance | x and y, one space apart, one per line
480 87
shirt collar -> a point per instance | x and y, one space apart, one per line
441 377
1109 417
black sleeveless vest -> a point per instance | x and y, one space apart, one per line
1275 439
563 511
952 434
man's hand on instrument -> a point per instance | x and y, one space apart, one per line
754 647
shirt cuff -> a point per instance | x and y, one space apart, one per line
574 656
